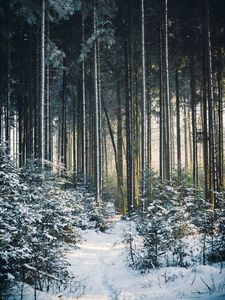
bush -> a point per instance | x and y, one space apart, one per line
36 219
173 212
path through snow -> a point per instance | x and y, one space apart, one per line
100 265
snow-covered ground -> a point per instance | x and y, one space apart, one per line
100 263
101 269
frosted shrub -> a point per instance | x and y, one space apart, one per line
35 220
175 211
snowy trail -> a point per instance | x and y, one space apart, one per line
100 264
100 267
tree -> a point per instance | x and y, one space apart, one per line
97 128
42 85
144 105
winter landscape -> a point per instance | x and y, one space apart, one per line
112 161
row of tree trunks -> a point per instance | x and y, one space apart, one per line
83 133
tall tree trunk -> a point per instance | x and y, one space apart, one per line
8 99
79 130
47 108
74 143
186 136
129 109
106 155
220 117
37 102
205 126
149 114
137 140
193 114
178 122
97 129
84 158
161 109
167 99
132 120
189 136
101 154
111 135
128 137
63 126
144 106
119 145
212 121
42 85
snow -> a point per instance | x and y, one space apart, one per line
101 270
101 264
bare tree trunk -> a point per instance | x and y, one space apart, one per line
37 104
137 141
8 99
167 100
128 135
131 106
74 144
212 120
111 136
97 140
129 109
220 116
144 110
149 116
47 106
63 126
178 122
106 155
185 137
84 111
193 113
161 110
119 144
42 87
205 126
101 154
189 136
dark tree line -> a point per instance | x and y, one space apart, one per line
85 83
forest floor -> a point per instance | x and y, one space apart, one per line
101 265
101 270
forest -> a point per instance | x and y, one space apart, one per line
112 161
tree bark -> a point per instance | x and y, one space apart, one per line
178 122
212 121
168 145
119 144
144 106
97 129
42 85
84 158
